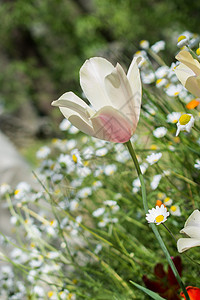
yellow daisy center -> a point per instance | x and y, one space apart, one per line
74 158
153 147
159 80
16 192
198 51
176 93
50 294
181 37
167 199
173 208
86 163
184 119
159 218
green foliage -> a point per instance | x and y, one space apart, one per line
43 43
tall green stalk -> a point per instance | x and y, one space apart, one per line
153 226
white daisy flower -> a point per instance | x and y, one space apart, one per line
161 82
98 212
153 158
110 202
185 123
101 152
155 182
168 201
143 56
160 132
143 167
73 130
43 152
84 192
197 164
173 117
75 155
182 41
173 90
64 125
144 44
71 144
4 189
158 46
110 169
162 72
96 184
148 77
175 210
157 215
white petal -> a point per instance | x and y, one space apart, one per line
193 85
194 219
111 125
120 94
92 75
184 244
183 73
192 231
186 58
73 102
77 120
133 76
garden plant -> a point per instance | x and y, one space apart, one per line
116 212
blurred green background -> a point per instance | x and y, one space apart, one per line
44 43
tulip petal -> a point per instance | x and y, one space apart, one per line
159 271
153 285
186 58
133 76
171 277
74 103
194 219
193 85
92 75
77 120
183 73
120 94
192 231
193 292
111 125
184 244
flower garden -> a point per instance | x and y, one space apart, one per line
115 214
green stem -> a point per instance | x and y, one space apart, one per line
153 226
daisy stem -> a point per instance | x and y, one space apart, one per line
169 231
153 226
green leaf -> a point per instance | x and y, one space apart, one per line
147 291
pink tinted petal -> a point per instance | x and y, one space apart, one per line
111 125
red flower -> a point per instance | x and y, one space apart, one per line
193 292
165 284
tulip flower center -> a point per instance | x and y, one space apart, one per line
159 218
184 119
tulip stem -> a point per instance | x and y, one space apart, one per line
153 226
